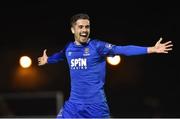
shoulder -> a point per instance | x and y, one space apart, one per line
95 41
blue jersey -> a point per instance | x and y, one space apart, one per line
87 64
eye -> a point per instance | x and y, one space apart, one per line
87 27
80 26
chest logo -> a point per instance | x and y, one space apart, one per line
86 52
79 63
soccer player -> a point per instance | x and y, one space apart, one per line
87 61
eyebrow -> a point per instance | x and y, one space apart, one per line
84 26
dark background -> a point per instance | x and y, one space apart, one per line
140 86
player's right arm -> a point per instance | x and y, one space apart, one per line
56 57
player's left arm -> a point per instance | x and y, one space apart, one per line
106 49
160 47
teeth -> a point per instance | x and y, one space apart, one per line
84 34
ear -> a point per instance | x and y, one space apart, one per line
72 30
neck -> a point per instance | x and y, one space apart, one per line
78 43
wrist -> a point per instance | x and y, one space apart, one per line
151 50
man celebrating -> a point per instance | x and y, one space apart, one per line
87 62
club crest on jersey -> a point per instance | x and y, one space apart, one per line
79 63
86 52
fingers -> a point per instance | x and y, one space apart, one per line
160 40
40 61
44 53
40 64
168 49
167 46
165 52
166 43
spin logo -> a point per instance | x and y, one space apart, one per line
79 63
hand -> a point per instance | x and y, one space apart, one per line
161 47
43 60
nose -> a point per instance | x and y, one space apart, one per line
84 30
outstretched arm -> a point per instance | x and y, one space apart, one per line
160 47
43 60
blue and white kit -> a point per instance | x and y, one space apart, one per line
87 64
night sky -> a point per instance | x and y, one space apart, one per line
140 86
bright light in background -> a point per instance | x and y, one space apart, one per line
25 76
25 61
114 60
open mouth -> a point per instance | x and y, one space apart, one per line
83 34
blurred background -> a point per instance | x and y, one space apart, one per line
139 86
